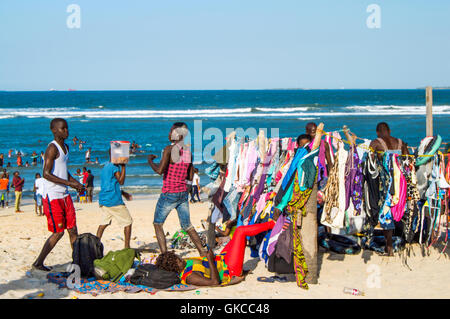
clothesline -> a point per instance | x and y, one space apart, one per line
368 148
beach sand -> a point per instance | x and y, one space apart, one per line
22 237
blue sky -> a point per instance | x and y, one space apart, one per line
223 44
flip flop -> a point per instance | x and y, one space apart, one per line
280 279
266 279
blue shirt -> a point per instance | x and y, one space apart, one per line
110 194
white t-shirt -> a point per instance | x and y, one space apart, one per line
39 184
195 180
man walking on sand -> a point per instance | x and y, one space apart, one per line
110 200
176 167
58 205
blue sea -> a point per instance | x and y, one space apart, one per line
99 117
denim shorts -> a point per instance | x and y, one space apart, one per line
169 201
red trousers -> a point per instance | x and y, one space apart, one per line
235 249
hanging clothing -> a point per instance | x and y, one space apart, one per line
371 190
385 216
400 193
353 181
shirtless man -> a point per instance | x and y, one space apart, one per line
58 206
387 143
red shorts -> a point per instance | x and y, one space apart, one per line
60 214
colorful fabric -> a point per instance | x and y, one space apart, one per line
300 266
413 197
399 208
331 191
353 181
97 287
298 199
201 265
385 216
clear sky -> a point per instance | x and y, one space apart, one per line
223 44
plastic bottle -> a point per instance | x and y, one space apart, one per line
353 291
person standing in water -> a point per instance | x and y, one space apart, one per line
58 205
385 143
176 167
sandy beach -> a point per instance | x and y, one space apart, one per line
379 277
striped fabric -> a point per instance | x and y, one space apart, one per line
201 264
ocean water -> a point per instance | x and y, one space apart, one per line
146 117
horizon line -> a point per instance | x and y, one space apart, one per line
268 89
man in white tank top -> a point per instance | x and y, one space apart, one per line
58 206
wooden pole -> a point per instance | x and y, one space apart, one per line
429 101
309 225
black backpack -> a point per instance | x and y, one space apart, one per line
151 276
86 249
279 265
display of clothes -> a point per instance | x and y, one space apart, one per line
363 191
261 175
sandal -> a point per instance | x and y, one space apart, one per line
280 279
266 279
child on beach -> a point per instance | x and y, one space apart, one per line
58 205
110 200
195 187
4 181
38 193
176 167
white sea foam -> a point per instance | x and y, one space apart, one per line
401 109
262 112
281 109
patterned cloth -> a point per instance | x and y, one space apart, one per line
174 179
301 268
295 206
298 199
96 287
331 190
353 181
413 197
201 264
385 216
